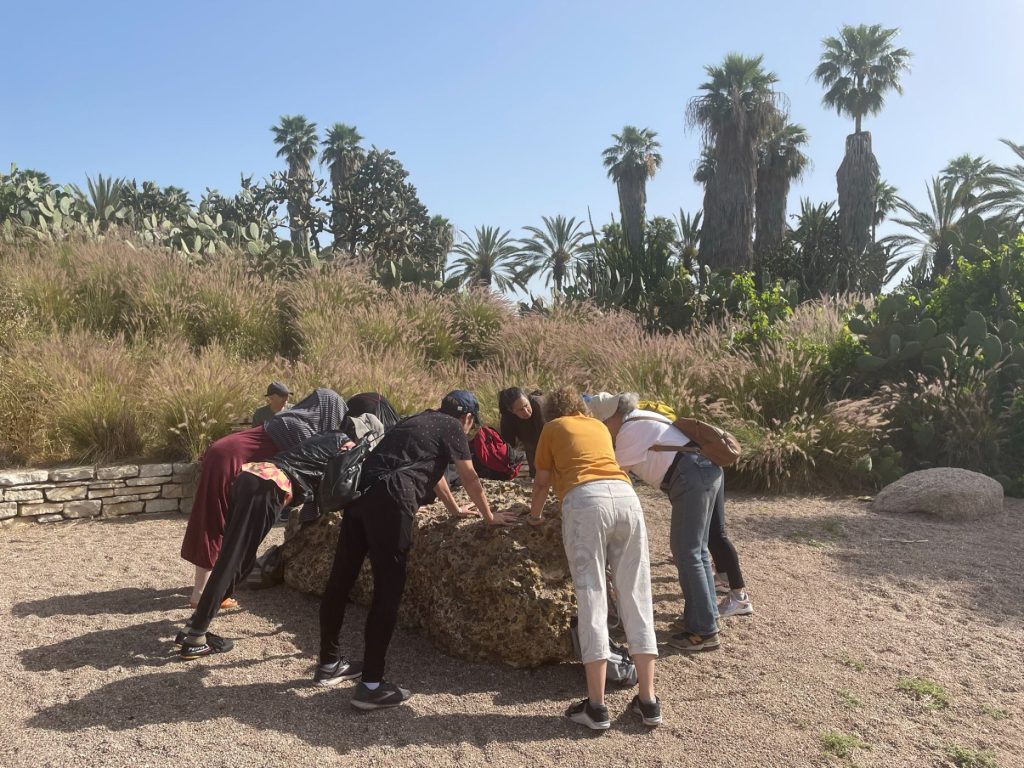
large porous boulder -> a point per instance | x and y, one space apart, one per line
945 492
480 593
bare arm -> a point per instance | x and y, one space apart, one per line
541 486
471 482
444 492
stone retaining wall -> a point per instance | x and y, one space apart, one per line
69 493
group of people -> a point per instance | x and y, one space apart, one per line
587 448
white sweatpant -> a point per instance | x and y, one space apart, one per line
603 525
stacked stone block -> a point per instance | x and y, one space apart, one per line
69 493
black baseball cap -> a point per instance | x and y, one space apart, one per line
461 401
278 388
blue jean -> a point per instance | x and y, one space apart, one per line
693 487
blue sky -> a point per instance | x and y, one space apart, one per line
499 110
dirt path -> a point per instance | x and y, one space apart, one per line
850 606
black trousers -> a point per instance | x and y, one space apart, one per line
721 548
255 504
376 525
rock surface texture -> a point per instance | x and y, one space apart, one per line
479 593
945 492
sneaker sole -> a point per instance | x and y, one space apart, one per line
331 681
695 648
367 706
748 611
592 725
193 656
650 722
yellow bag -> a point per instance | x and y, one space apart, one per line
657 406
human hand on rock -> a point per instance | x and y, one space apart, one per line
535 521
502 518
468 510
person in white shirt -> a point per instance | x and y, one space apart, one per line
647 445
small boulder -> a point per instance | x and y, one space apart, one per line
479 593
948 493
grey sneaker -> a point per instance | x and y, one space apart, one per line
650 713
735 604
327 675
595 717
386 695
692 643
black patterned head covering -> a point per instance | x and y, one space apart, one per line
321 411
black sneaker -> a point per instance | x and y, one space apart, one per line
179 639
651 713
332 674
386 695
593 716
214 644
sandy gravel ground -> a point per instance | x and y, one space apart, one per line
849 604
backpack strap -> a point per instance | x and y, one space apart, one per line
691 448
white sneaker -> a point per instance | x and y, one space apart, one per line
721 583
735 604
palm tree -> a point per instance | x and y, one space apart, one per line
493 257
933 234
886 196
1008 187
631 161
343 154
780 162
688 230
858 68
554 250
971 177
297 139
737 107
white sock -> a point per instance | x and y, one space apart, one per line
372 686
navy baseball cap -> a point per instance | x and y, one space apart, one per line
461 401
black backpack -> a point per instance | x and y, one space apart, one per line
339 486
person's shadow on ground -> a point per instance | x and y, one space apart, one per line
128 600
320 717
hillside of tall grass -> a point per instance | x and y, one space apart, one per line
111 352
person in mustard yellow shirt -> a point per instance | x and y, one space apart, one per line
602 525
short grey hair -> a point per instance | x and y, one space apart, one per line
628 402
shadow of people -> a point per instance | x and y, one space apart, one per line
319 717
128 600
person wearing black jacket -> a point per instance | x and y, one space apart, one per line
521 421
258 494
403 472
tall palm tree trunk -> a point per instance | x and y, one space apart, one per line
770 212
726 235
632 207
857 184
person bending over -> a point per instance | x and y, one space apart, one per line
321 411
522 420
647 444
259 493
398 477
602 526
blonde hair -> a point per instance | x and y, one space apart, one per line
564 401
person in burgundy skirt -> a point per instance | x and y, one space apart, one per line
322 411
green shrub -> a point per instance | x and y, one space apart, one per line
192 400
